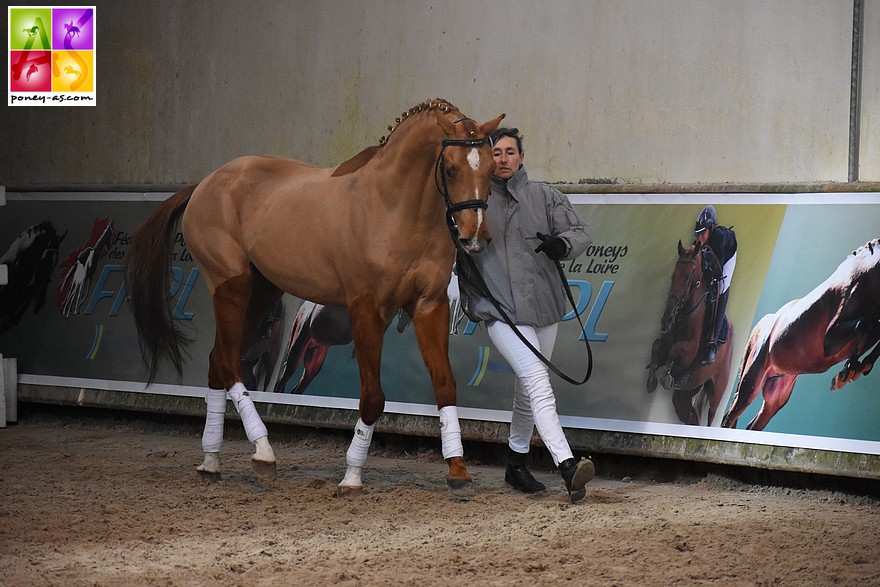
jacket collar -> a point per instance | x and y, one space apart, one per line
513 184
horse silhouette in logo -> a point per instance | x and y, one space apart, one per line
79 267
72 29
838 321
31 258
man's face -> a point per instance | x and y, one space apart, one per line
508 158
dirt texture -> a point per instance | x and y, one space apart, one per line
117 501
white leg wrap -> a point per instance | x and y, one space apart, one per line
212 437
450 432
360 445
253 424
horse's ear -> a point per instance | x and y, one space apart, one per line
444 122
680 249
488 127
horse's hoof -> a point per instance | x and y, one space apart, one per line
461 489
264 469
210 476
343 491
666 382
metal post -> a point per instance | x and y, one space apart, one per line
855 94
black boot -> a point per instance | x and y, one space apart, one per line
711 351
518 476
712 347
576 475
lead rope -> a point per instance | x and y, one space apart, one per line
472 275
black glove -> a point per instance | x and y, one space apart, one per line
552 246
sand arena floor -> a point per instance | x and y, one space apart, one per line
99 500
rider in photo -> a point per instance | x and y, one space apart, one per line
719 253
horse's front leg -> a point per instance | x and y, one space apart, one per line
431 320
656 357
368 330
854 368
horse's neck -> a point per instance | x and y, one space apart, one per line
411 155
417 139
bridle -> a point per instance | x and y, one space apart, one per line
680 310
443 187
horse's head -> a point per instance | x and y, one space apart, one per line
686 278
464 168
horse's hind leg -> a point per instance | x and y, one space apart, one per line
432 322
777 391
233 326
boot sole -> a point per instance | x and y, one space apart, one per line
582 475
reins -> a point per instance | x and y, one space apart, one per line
469 272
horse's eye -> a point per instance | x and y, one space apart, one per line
450 172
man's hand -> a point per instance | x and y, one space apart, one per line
552 246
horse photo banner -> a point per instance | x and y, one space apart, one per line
804 306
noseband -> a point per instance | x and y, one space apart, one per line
440 169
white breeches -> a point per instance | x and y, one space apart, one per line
534 404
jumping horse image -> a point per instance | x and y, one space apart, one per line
838 321
372 235
679 349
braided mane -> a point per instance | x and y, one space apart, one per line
435 104
364 156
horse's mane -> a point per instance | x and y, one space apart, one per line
364 156
870 246
426 106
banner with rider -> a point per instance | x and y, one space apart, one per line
789 308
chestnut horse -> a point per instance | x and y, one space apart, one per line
372 234
680 347
838 321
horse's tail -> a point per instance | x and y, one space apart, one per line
148 282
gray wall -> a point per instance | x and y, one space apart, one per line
658 91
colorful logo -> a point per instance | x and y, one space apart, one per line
51 56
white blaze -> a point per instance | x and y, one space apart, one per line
474 159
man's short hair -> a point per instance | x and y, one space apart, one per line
513 133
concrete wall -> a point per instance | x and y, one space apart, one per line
656 91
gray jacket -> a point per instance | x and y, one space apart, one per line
525 283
